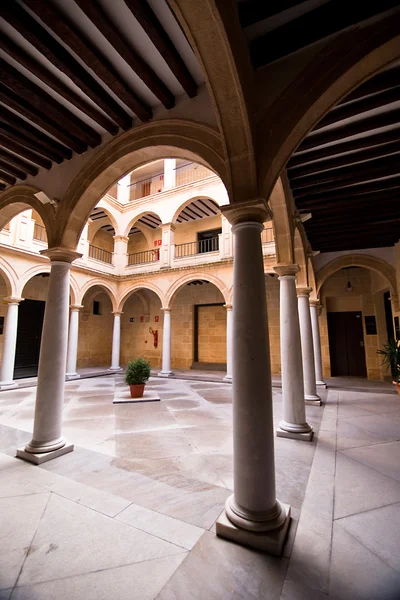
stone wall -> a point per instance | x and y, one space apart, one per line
136 339
103 240
95 334
272 290
211 334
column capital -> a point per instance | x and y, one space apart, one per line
117 313
121 238
12 300
168 226
286 269
76 307
166 309
304 291
60 254
251 210
315 302
228 306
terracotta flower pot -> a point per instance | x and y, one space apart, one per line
137 391
397 386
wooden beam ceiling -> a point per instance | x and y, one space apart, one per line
252 11
23 165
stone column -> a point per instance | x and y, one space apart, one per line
123 189
315 309
167 248
9 344
120 258
293 424
229 343
307 348
116 342
166 347
73 342
169 173
47 440
253 516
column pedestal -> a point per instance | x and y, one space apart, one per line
315 310
9 346
47 440
293 424
73 343
116 343
253 516
166 348
307 348
229 343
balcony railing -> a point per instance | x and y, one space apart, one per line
141 258
267 236
191 172
100 254
199 247
39 233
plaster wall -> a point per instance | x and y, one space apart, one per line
103 240
95 333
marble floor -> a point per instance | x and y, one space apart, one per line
130 514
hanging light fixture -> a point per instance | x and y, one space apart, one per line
349 287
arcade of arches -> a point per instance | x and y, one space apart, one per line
247 225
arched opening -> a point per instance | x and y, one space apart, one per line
95 328
198 227
356 320
144 239
5 290
198 325
142 327
100 235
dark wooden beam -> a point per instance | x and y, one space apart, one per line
21 150
38 98
253 11
23 107
360 106
313 26
349 146
377 166
320 204
55 52
12 134
59 152
385 119
37 69
156 32
18 162
94 59
346 159
352 243
333 185
7 178
7 168
343 222
362 189
378 83
95 13
2 186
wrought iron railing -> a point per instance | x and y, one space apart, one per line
141 258
199 247
39 233
100 254
191 172
267 235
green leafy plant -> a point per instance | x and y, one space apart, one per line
138 372
391 358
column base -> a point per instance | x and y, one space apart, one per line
301 437
227 379
321 384
312 400
165 374
70 376
268 541
8 385
41 457
115 369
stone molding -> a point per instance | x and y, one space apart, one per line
242 212
60 254
286 269
304 291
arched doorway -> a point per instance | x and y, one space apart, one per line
95 328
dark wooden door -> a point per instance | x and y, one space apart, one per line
29 333
346 344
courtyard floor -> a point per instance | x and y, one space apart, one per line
130 514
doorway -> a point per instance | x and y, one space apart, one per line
346 344
29 334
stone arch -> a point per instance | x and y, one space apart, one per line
366 261
189 201
136 217
10 278
93 230
21 197
282 223
136 288
99 283
179 283
311 278
170 137
300 258
346 62
45 268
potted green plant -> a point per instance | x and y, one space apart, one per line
391 358
136 375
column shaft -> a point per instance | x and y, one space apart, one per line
116 343
166 347
307 347
73 334
314 309
229 343
293 424
9 344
